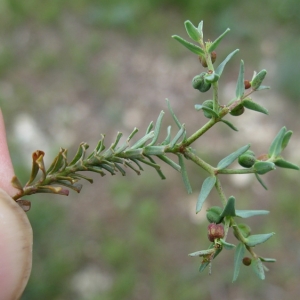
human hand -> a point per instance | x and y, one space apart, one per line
15 231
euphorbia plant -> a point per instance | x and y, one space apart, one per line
175 149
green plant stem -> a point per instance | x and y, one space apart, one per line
236 171
197 160
198 133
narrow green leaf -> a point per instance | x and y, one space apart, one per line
217 41
258 268
158 170
168 137
229 124
184 174
220 68
157 128
198 106
229 209
200 29
285 164
225 162
81 153
258 79
286 139
226 245
261 181
192 31
276 146
263 167
170 162
179 134
265 259
154 150
202 252
211 77
173 114
263 87
257 239
141 142
255 106
250 213
209 110
149 128
238 258
240 87
206 188
195 49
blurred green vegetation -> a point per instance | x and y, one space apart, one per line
66 65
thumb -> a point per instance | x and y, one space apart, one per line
15 232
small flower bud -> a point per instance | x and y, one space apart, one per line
213 56
203 61
247 84
247 159
213 214
215 231
199 83
238 110
208 104
247 261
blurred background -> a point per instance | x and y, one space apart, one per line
73 70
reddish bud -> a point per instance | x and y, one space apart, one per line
247 261
213 56
263 157
247 84
215 231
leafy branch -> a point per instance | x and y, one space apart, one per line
120 156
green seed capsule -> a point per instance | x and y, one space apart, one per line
238 110
213 214
199 83
247 160
208 104
198 80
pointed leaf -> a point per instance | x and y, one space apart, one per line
265 259
258 79
285 164
211 77
275 148
263 167
206 188
179 134
255 106
210 111
195 49
220 68
229 209
258 268
216 42
184 174
173 114
192 31
263 87
240 87
250 213
202 252
238 258
225 162
286 139
157 128
261 181
257 239
229 124
170 162
200 29
226 245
